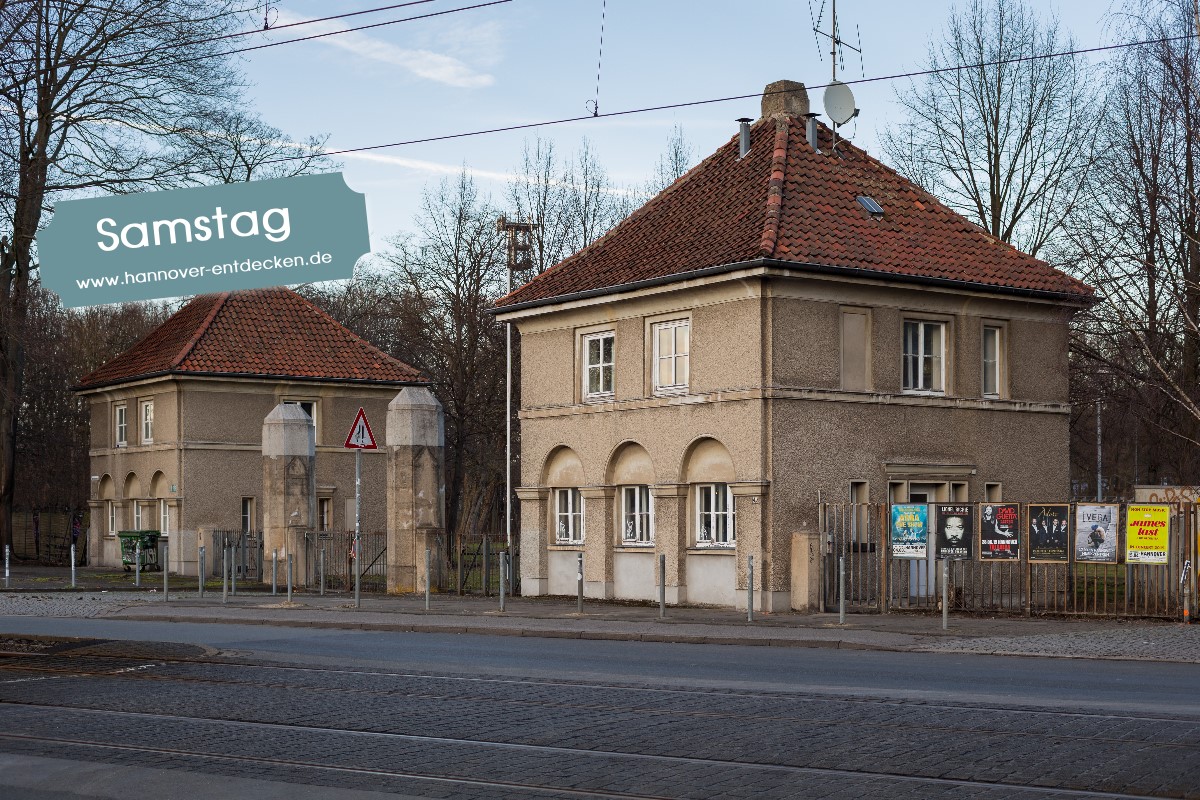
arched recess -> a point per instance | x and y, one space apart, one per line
708 461
158 485
563 468
107 488
132 488
630 464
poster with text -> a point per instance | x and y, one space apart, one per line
999 531
955 530
1048 531
910 530
1147 534
1096 533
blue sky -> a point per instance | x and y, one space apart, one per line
533 60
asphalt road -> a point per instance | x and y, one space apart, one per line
297 713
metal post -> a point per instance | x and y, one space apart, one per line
1099 453
508 396
200 573
427 562
503 561
358 525
72 566
233 569
289 578
275 571
6 552
579 580
224 574
137 563
662 586
841 590
750 589
165 567
321 569
487 567
945 593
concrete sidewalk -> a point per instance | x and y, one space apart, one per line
557 618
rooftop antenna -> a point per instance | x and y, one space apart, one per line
839 100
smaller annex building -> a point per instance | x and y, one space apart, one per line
177 419
790 321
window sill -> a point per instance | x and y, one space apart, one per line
566 546
637 545
922 393
714 549
670 391
609 397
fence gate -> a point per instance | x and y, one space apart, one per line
247 552
855 532
477 564
338 558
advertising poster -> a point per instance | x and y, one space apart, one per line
1096 533
1048 531
999 531
910 530
1147 534
955 530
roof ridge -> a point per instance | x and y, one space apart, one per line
200 331
770 233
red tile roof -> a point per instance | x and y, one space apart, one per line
259 333
785 205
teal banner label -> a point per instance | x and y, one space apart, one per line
208 239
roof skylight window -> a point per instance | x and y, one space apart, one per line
873 208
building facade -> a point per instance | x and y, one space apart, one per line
784 325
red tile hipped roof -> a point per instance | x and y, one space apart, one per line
785 205
258 333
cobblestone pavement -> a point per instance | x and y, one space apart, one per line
1156 643
437 734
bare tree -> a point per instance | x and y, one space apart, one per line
677 159
593 203
538 194
1004 139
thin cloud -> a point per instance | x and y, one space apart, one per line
421 63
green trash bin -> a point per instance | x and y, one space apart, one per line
129 549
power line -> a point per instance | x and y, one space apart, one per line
730 98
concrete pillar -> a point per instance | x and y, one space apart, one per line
289 486
806 566
598 538
772 591
671 536
535 540
416 518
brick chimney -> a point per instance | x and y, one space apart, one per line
785 97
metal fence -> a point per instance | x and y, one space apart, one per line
477 566
878 582
46 536
335 550
247 553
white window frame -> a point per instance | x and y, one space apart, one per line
912 365
637 516
598 367
147 417
137 515
995 368
324 513
680 362
121 425
568 516
164 516
248 517
112 517
719 525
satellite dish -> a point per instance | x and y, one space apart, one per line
839 103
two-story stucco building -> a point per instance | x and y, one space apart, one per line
786 323
177 419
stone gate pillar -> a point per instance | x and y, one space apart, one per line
289 486
416 516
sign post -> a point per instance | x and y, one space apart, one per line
360 438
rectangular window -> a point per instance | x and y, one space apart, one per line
121 427
714 516
325 513
859 497
636 516
112 516
147 421
993 492
598 365
924 356
993 341
137 515
856 351
164 516
307 406
671 350
248 514
568 516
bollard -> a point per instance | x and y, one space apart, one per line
354 563
503 560
487 567
289 576
427 578
274 571
945 594
579 578
200 573
321 569
841 590
749 588
233 569
224 574
6 549
72 566
662 586
137 563
165 567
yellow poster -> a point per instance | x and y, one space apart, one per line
1147 534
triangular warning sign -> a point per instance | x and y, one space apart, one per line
360 436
